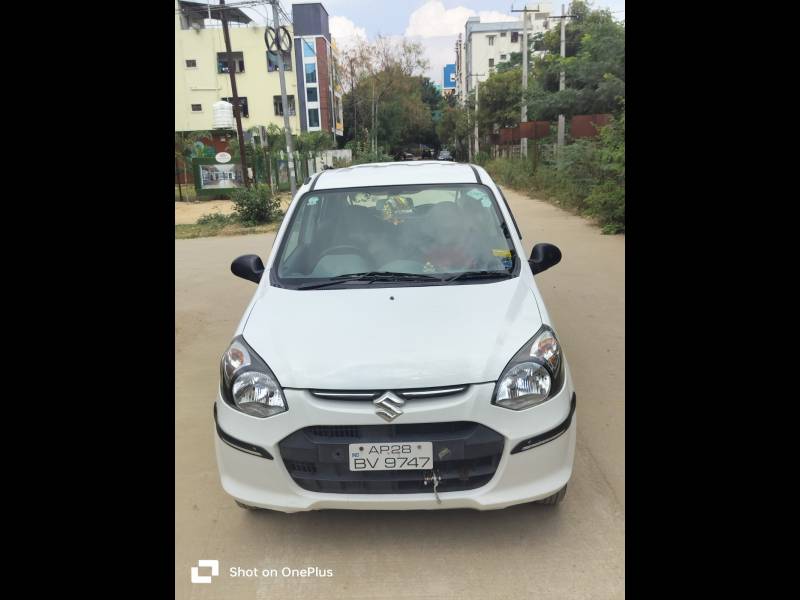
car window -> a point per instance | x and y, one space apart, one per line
433 230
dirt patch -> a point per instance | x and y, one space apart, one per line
187 213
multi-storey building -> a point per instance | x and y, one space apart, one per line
202 77
317 81
485 45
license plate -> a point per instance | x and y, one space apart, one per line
391 457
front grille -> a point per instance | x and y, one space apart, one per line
317 457
407 394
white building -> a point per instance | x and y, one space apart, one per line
485 45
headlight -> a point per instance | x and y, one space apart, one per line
247 383
533 375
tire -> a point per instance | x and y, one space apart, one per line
246 506
555 498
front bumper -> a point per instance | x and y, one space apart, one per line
249 475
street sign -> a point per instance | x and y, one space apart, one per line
449 79
278 39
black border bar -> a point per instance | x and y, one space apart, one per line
239 444
547 436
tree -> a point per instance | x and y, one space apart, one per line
384 93
454 130
594 66
499 100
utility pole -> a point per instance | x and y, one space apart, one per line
523 142
477 83
562 84
237 113
561 78
287 128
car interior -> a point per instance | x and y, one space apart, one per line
342 232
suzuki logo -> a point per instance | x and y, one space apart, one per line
388 407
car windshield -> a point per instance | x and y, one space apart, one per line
429 234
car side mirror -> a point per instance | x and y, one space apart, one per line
248 267
544 256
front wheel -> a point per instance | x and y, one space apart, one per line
555 498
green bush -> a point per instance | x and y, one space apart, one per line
588 176
607 203
372 157
216 219
256 205
481 158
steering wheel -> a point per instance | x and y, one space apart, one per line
341 250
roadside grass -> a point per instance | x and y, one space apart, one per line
243 222
217 224
576 188
187 232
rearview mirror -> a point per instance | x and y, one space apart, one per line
544 256
248 267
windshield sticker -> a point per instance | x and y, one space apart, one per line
505 257
395 208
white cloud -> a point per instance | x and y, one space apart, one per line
493 16
432 19
437 28
345 33
432 25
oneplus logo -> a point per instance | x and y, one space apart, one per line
196 578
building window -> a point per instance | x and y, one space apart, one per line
272 61
502 57
491 39
491 63
278 105
311 73
197 108
191 64
243 110
311 94
308 48
222 62
502 34
313 117
514 37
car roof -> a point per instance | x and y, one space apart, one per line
396 173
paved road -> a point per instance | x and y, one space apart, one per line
573 552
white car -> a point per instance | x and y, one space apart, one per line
397 353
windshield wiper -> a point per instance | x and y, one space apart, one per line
479 275
370 276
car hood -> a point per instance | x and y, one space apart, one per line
392 338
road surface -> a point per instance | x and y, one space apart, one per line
573 552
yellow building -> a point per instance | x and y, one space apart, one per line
201 71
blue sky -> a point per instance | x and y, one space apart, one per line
433 23
391 17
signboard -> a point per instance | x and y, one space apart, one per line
212 177
221 176
223 157
449 79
